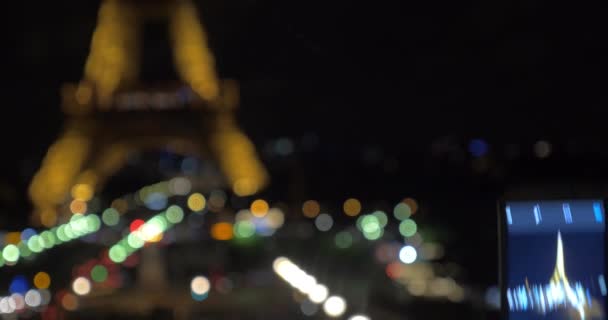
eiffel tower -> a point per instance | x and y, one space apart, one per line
111 113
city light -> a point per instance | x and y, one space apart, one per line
42 280
324 222
334 306
81 286
311 208
352 207
259 208
318 294
408 254
199 287
196 202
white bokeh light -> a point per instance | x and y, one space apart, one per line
359 317
81 286
33 298
334 306
200 285
318 294
408 254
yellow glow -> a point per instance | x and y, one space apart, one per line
237 157
82 192
111 61
42 280
222 231
77 206
12 238
52 183
193 59
352 207
259 208
311 208
196 202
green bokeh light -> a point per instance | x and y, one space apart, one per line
244 229
408 227
69 233
11 253
93 223
47 239
343 240
370 224
135 241
60 233
33 243
117 253
78 224
110 217
24 250
382 218
375 235
99 273
402 211
174 214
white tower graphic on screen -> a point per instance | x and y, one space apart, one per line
557 294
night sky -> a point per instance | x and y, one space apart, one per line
392 92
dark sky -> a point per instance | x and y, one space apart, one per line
392 79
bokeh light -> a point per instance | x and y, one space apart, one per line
408 254
221 231
110 217
352 207
81 286
334 306
99 273
408 227
117 253
324 222
542 149
343 240
359 317
33 298
174 214
382 218
197 202
308 308
413 204
244 229
136 224
311 208
18 285
180 186
10 253
199 287
402 211
478 147
78 206
259 208
275 218
69 302
318 294
42 280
